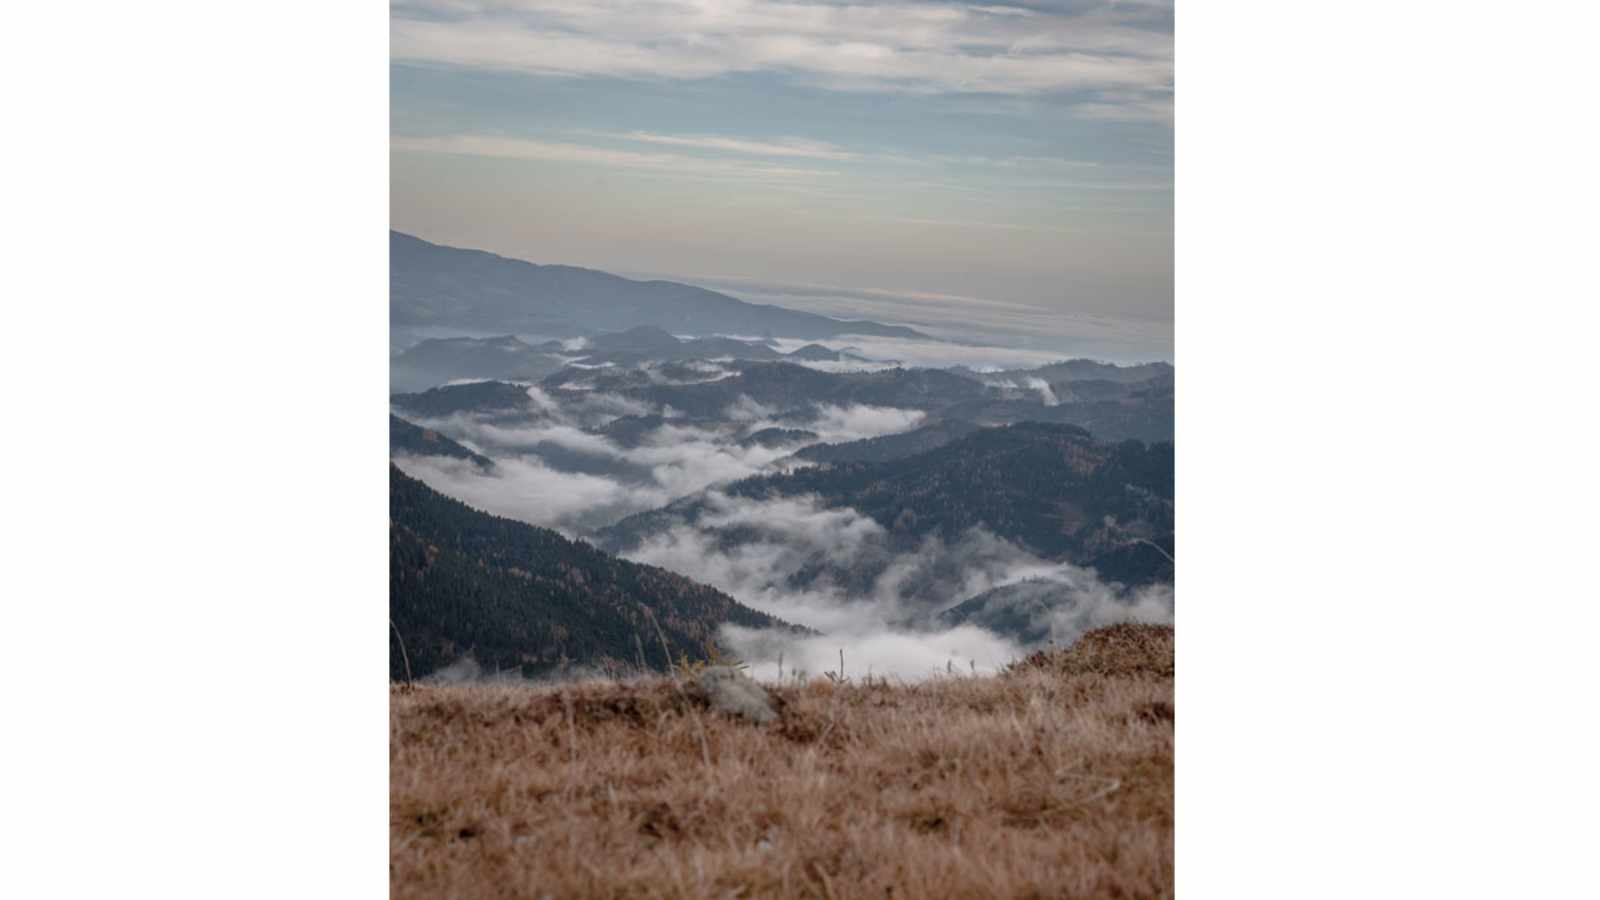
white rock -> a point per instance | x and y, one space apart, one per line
731 691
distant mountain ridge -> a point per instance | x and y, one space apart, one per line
890 446
437 361
1111 410
431 285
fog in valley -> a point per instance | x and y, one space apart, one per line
738 461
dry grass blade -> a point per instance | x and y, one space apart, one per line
404 657
672 672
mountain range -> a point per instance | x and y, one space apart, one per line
1111 408
1050 489
1032 503
434 286
436 361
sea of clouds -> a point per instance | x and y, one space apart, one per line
866 591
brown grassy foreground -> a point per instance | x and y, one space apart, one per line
1053 780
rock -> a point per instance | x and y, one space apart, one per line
733 692
463 671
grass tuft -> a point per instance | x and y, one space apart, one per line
1115 651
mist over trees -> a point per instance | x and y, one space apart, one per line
575 449
525 599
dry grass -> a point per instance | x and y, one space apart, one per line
1053 780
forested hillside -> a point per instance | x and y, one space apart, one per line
1052 489
890 446
408 438
524 598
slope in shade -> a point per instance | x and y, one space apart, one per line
408 439
518 597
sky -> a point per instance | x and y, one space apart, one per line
1002 169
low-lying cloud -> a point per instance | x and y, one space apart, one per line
875 594
1030 384
904 655
669 462
888 352
553 470
832 424
1046 392
529 491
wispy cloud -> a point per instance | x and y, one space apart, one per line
1013 161
1019 149
957 223
728 158
797 147
813 149
916 47
1128 108
556 151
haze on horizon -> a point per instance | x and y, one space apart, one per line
1002 169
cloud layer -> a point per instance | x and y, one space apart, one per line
875 597
1014 152
552 470
564 460
1122 53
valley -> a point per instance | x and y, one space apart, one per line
808 497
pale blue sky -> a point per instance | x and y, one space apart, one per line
1014 154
